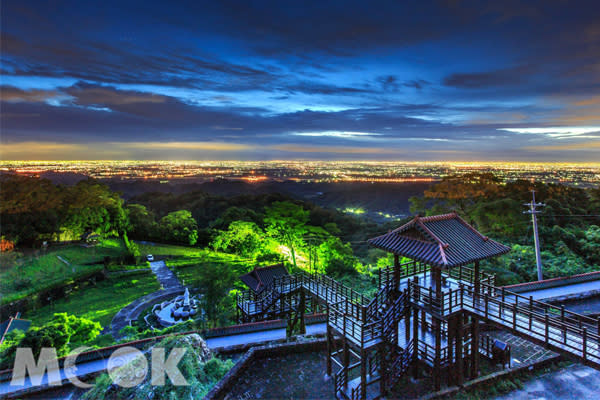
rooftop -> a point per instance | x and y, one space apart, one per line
259 278
441 240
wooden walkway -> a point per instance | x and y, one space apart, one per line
366 323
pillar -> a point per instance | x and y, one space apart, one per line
476 278
460 375
382 369
302 309
436 275
363 373
474 347
329 349
437 379
396 271
450 336
346 362
415 343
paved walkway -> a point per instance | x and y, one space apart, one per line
132 311
562 290
165 276
576 382
171 287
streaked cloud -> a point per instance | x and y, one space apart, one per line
337 134
556 132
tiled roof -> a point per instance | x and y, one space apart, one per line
441 240
259 278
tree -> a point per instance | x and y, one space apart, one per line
62 332
79 330
217 281
142 224
92 206
336 257
286 221
243 238
459 193
179 226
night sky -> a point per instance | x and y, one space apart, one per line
397 80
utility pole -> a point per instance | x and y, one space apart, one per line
536 238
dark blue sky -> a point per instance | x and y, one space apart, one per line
396 80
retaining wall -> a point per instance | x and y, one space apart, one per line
555 282
222 388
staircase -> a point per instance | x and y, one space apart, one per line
369 327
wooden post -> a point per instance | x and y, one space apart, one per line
302 308
363 374
346 362
450 337
460 375
474 347
530 311
547 327
382 370
396 271
329 349
476 277
407 326
584 344
415 342
437 381
437 275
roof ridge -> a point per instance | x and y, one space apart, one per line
440 217
407 225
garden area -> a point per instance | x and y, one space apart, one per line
99 301
24 274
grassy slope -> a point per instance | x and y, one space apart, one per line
100 302
32 274
185 261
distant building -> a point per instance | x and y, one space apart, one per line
259 278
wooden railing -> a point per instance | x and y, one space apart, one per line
340 381
568 331
426 352
380 301
400 364
413 268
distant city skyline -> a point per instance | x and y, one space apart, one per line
578 174
391 81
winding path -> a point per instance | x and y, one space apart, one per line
171 287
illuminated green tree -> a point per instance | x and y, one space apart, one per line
179 226
243 238
286 222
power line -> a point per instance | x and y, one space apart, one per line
571 215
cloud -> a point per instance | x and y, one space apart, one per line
583 146
304 149
508 76
556 132
337 134
89 94
13 94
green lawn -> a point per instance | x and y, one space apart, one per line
100 302
33 273
187 272
171 250
185 261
